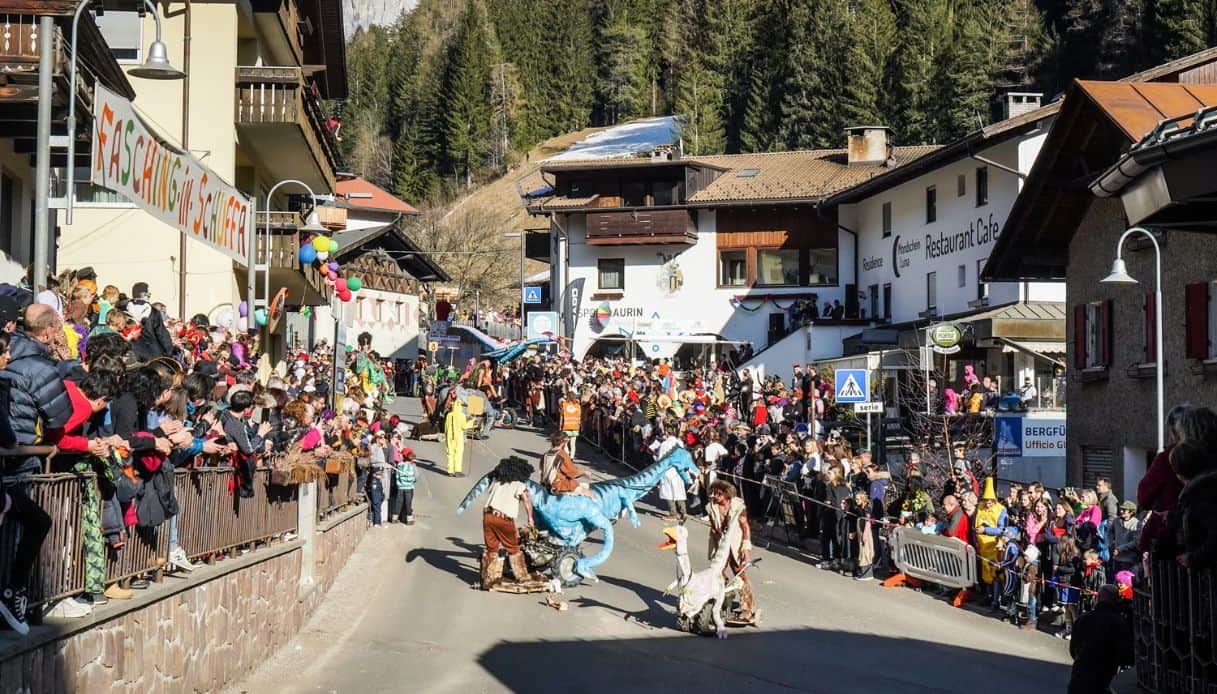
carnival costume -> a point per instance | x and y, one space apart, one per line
455 425
731 529
991 520
507 491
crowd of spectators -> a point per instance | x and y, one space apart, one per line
106 384
1046 558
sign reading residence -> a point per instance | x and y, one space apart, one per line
171 185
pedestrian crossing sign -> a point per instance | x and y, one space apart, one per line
532 295
853 385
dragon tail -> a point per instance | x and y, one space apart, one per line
478 489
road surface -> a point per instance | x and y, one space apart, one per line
402 618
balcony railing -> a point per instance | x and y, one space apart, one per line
284 253
641 227
281 96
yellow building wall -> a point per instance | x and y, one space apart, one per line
126 245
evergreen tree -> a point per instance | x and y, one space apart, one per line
962 84
925 36
766 77
622 85
699 104
1176 28
467 96
870 40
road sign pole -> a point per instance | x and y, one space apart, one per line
868 442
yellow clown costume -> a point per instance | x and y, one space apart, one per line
455 425
991 520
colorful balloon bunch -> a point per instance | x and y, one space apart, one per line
318 250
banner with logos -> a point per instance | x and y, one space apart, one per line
171 185
572 301
1029 437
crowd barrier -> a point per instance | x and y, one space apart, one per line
338 492
211 520
934 558
1175 618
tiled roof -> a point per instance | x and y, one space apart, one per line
811 174
1137 108
1030 310
559 202
381 200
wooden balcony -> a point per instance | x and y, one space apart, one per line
305 285
278 116
641 227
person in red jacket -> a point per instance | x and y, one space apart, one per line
956 521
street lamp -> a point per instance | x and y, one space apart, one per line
521 235
1119 275
251 268
156 67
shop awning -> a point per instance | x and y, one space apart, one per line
1042 350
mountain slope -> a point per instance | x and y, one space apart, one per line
366 13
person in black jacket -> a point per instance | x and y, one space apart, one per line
154 339
39 400
1102 642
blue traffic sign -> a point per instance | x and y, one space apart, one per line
532 295
853 385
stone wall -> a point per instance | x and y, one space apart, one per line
213 627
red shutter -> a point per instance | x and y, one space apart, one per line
1079 336
1105 332
1196 313
1151 341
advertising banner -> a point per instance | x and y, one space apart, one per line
572 301
171 185
1029 437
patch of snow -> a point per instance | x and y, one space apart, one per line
627 140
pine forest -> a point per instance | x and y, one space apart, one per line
453 93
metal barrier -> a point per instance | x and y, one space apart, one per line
943 560
211 520
1175 618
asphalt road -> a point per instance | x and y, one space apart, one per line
403 618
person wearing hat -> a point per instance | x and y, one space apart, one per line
455 426
1028 571
559 473
991 521
1123 535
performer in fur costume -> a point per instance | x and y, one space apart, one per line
504 499
729 525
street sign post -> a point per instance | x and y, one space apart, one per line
853 385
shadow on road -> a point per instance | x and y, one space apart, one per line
450 562
816 660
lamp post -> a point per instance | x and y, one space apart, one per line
512 235
1119 275
251 266
156 67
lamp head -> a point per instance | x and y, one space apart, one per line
157 66
313 225
1119 274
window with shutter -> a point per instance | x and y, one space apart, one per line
1149 333
1079 336
1105 332
1196 313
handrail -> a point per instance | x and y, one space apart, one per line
211 521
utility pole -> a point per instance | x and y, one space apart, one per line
42 166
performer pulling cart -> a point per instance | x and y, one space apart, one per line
505 497
729 527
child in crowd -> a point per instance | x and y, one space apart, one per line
1028 571
927 523
1006 583
863 537
405 474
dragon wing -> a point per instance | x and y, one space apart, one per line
479 488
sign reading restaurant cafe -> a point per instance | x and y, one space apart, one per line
168 183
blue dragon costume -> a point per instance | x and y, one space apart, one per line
570 518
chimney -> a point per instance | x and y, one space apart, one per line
868 144
1018 103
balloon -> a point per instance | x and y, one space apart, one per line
333 266
331 275
243 324
333 246
308 254
260 316
345 294
321 243
243 308
354 284
323 255
341 284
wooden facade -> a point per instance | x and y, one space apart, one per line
753 230
641 227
